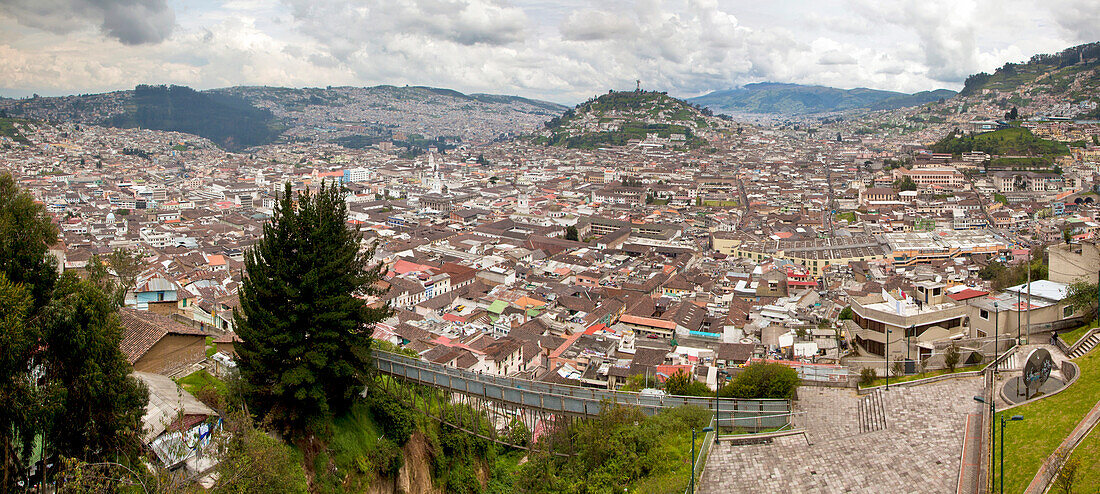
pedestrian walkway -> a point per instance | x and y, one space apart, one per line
971 468
917 449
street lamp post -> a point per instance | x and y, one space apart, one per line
717 386
1019 311
992 426
909 342
1003 422
705 429
887 358
996 336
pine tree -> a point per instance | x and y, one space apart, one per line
86 376
305 328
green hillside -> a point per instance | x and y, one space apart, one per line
797 99
1070 73
1014 141
615 118
229 121
7 129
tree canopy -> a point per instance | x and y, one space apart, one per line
763 380
1082 295
305 328
681 383
86 377
63 378
26 233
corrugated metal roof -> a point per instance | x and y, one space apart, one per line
1050 290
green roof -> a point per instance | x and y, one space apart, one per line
497 306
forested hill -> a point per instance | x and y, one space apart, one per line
229 121
796 99
620 117
1071 73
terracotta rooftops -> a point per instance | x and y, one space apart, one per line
142 329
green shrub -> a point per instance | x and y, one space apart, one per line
763 380
396 420
867 376
682 383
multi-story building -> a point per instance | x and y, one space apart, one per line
908 322
1020 311
947 178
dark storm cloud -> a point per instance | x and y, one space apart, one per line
132 22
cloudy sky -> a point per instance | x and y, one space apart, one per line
563 51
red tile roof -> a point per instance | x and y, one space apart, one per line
142 329
967 294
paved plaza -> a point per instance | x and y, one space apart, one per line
917 451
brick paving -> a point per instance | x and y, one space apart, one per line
918 451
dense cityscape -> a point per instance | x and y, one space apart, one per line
834 301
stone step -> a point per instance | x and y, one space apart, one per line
1009 363
1089 344
872 412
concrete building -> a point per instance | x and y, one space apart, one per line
1071 262
947 178
1008 313
911 323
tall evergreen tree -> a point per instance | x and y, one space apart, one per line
304 324
86 377
17 341
79 398
27 277
26 233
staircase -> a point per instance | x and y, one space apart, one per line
1083 347
1011 362
872 412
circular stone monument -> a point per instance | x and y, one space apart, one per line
1034 379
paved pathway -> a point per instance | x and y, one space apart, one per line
918 451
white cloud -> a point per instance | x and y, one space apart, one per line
132 22
564 51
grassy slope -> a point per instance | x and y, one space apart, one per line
1013 141
1046 423
894 380
7 129
1088 469
197 380
1071 337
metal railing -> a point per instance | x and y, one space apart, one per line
701 458
749 414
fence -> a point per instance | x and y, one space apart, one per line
573 400
701 457
807 371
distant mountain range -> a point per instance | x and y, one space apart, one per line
795 99
244 116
